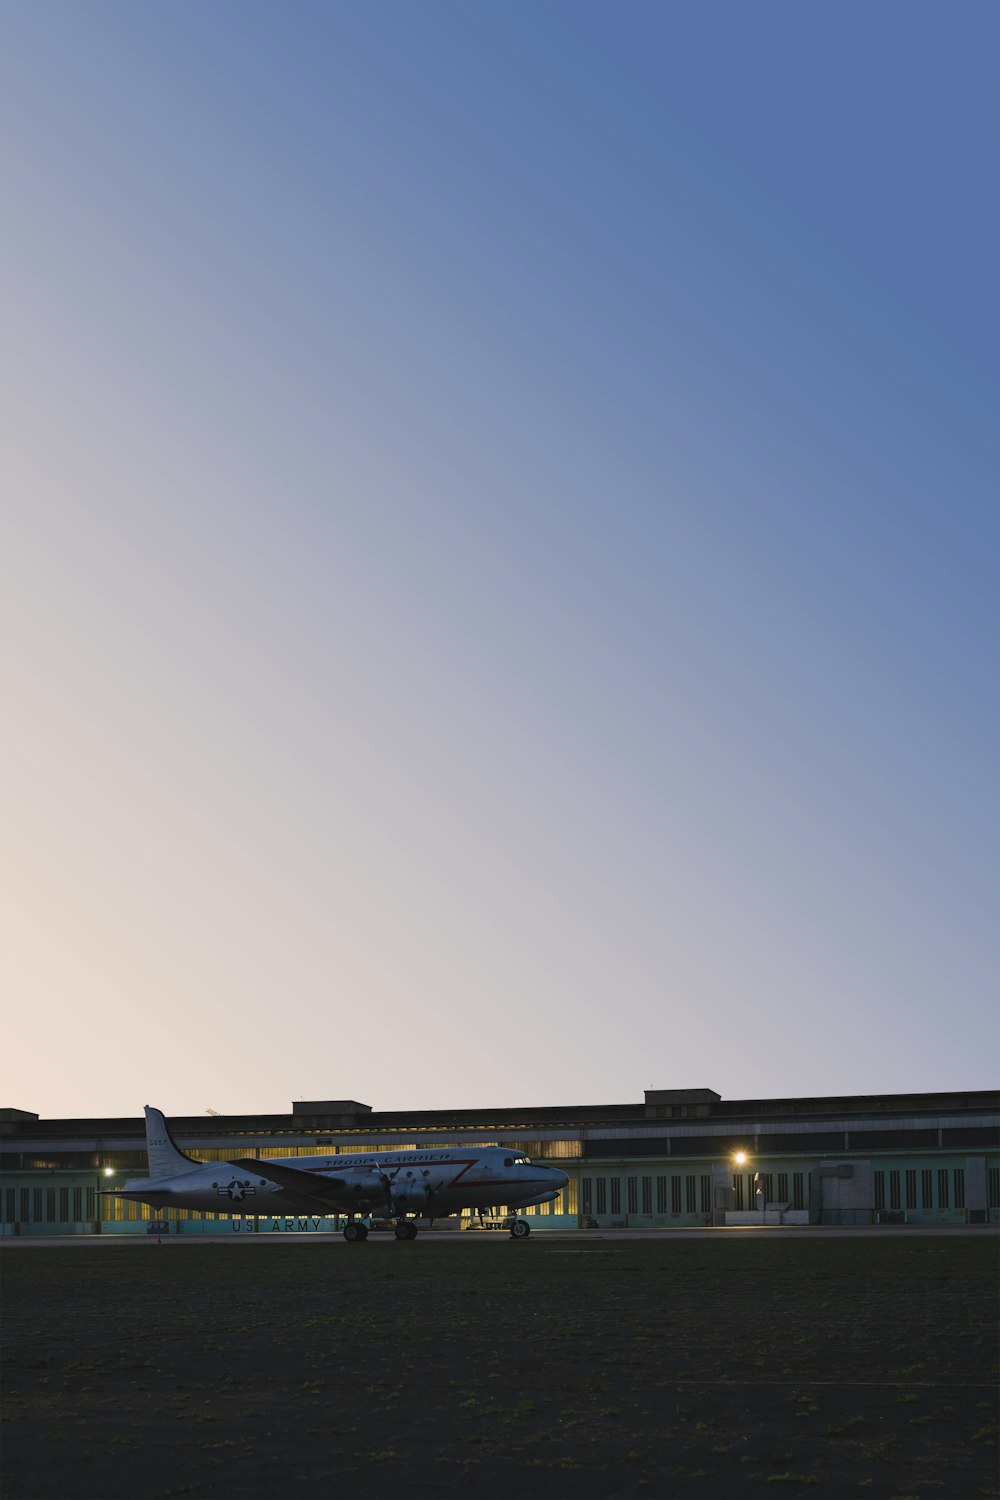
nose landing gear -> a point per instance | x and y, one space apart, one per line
520 1229
355 1230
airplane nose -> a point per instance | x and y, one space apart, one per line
562 1178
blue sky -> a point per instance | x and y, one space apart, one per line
500 559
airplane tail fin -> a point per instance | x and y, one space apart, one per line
165 1160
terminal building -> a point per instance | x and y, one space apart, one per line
680 1158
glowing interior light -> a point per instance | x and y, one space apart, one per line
108 1172
740 1158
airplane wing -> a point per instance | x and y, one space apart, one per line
305 1187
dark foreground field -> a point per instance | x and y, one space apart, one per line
824 1367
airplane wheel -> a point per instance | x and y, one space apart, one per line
520 1229
406 1231
355 1232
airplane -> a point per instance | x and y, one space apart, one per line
396 1185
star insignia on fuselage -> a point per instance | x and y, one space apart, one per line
236 1191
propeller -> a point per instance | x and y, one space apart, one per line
386 1181
390 1180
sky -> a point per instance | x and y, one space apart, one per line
499 554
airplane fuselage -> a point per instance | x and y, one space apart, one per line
429 1183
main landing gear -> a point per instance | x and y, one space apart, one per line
520 1229
357 1229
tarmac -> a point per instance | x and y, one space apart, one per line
577 1238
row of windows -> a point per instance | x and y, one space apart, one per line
929 1189
689 1193
675 1194
50 1205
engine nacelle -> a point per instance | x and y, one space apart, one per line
367 1186
410 1197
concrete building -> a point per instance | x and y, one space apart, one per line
681 1157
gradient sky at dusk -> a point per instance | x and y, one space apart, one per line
500 552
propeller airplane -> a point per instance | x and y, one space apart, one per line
403 1186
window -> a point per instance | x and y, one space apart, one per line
738 1190
647 1195
706 1193
36 1205
91 1203
926 1189
633 1195
911 1189
77 1204
616 1195
894 1199
661 1195
798 1190
602 1195
50 1205
11 1215
959 1183
943 1187
63 1204
993 1186
767 1184
587 1188
880 1190
675 1195
691 1194
25 1209
783 1188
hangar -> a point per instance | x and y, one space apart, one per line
681 1157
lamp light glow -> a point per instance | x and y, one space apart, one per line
740 1158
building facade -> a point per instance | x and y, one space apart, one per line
681 1158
